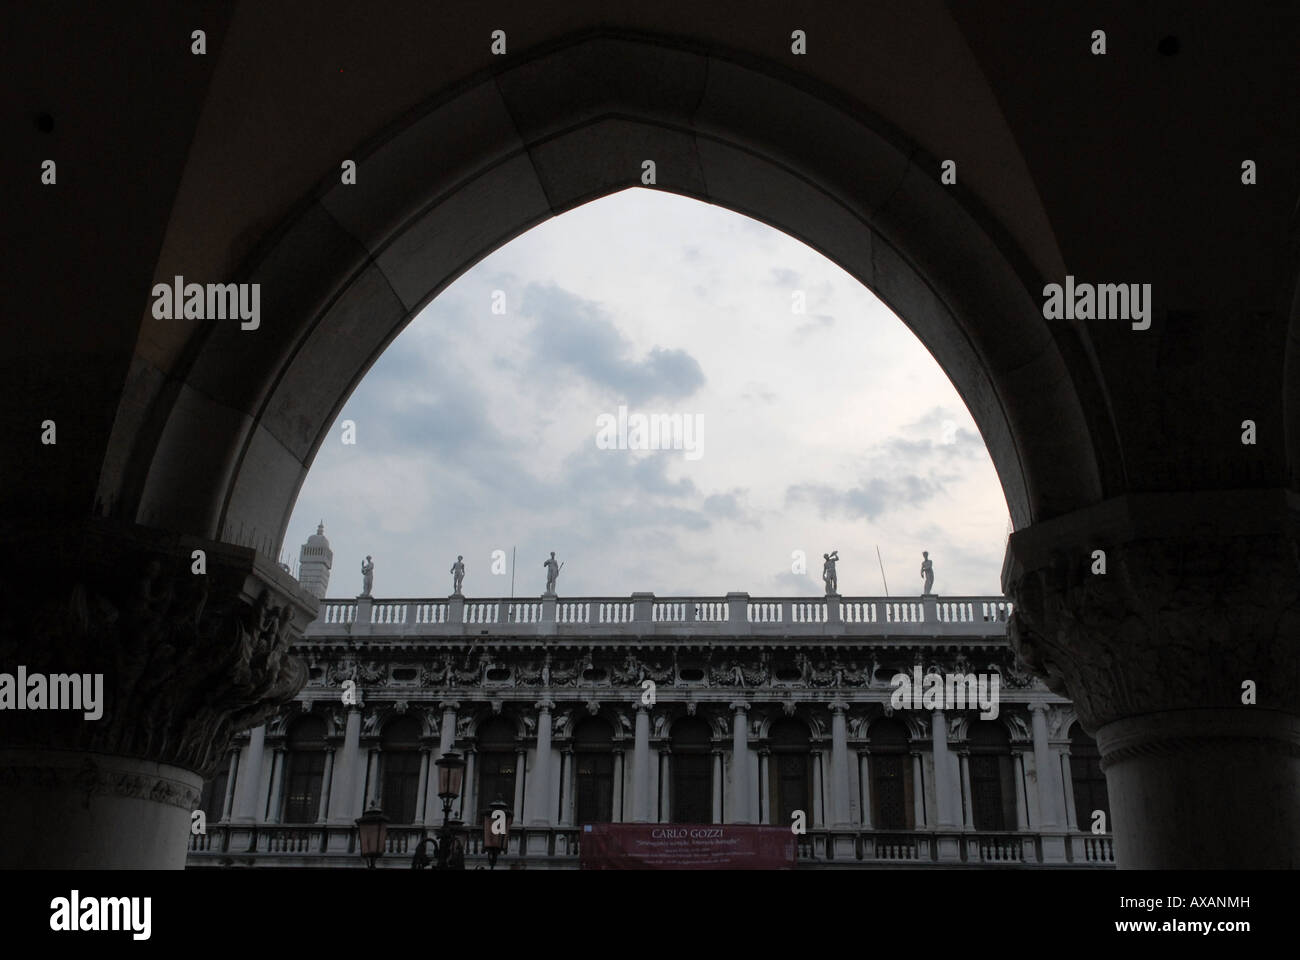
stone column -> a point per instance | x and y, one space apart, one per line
918 791
1047 771
1018 768
718 786
740 795
232 778
1067 784
764 785
665 781
816 819
273 806
469 787
448 734
540 808
947 799
421 791
568 784
641 766
864 781
342 794
968 805
616 815
432 802
1182 661
521 765
252 790
322 814
841 815
945 791
368 793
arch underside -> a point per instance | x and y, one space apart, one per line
482 165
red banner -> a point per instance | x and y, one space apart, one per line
685 846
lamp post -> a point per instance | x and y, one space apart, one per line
373 828
496 830
451 774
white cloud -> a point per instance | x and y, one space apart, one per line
476 431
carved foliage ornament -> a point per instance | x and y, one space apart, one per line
1175 623
188 660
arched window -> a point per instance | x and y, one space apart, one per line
401 761
497 763
304 770
790 770
992 790
692 772
891 775
1089 781
593 758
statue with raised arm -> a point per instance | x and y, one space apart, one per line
927 573
458 575
367 576
552 573
828 572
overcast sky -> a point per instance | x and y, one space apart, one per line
828 429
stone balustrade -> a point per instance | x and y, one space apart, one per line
309 845
644 614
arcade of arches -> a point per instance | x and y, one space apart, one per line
179 435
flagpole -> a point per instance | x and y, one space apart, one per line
882 570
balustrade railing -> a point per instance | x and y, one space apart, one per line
647 614
316 843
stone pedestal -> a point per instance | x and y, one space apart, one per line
75 810
1233 775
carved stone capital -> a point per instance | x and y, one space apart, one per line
1177 622
188 659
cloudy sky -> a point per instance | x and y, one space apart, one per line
831 428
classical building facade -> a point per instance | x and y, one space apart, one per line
675 710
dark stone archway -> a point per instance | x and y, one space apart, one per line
495 157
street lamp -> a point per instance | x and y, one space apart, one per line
451 775
496 830
373 828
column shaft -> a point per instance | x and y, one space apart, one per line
641 768
541 812
251 791
342 794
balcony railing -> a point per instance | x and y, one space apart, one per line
319 845
644 614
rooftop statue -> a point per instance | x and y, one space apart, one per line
458 575
829 576
367 576
552 574
927 573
